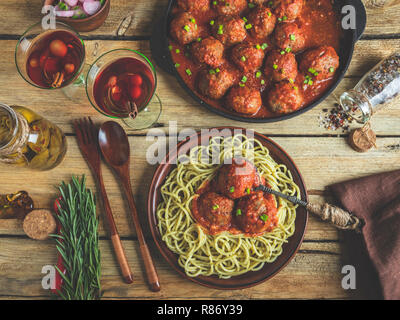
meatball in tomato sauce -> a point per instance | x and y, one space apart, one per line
287 10
285 97
321 62
244 100
247 57
209 51
184 28
281 66
256 213
289 37
237 179
215 84
262 22
229 30
229 7
194 5
216 210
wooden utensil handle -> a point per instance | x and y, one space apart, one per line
151 272
115 239
121 257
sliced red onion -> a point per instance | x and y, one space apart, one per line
71 3
91 7
65 14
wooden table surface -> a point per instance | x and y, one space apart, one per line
323 158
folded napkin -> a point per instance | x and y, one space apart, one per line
376 200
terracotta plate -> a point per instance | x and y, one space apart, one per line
250 278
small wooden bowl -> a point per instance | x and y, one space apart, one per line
87 24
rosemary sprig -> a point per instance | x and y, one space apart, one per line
78 242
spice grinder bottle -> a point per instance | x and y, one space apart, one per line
377 89
29 140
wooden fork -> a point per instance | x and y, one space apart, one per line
87 136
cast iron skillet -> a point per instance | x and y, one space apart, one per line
162 56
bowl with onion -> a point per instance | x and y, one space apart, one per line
82 15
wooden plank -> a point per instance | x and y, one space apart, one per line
317 274
379 21
176 101
322 161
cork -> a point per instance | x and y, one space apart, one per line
362 139
39 224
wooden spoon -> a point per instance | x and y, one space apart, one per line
115 147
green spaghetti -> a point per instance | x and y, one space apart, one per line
224 254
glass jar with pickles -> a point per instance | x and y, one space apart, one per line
29 140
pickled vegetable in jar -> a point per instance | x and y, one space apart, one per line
378 89
16 205
28 140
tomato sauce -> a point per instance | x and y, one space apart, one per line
320 25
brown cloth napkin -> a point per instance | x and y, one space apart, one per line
376 200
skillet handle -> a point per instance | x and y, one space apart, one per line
348 9
159 46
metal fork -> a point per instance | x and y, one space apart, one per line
87 136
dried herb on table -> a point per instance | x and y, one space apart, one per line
78 242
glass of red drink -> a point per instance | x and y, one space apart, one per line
50 59
121 84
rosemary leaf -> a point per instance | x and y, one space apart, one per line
78 242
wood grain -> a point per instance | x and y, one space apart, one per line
176 101
315 272
323 158
22 14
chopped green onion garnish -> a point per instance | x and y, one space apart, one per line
177 65
264 217
258 46
248 26
187 28
275 66
198 39
232 190
244 19
288 49
295 88
251 5
241 85
244 79
170 48
263 81
258 74
193 20
279 19
214 3
238 212
215 207
248 190
211 71
284 18
282 52
291 80
177 51
221 29
331 69
189 72
217 70
243 58
264 46
311 70
269 13
292 37
212 22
